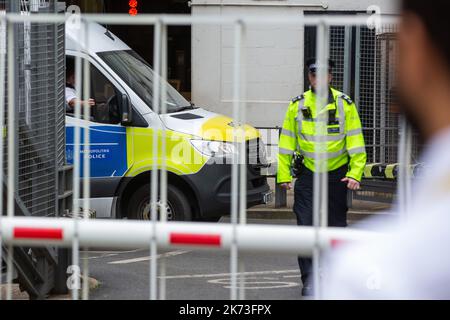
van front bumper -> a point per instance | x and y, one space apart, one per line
213 189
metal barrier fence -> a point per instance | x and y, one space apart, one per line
31 71
80 233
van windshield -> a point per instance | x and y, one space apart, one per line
138 75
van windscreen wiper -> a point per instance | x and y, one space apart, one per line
190 107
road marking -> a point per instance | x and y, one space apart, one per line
141 259
116 251
106 255
256 283
294 276
216 275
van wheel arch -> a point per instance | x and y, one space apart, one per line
126 188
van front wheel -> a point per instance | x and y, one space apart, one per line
177 208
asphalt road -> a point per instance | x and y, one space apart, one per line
194 274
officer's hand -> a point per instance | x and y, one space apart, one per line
286 185
352 184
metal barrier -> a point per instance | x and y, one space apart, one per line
280 193
236 237
103 234
33 71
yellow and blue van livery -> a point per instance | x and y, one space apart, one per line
107 150
198 143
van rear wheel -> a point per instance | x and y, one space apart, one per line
177 208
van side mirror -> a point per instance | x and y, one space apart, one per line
125 109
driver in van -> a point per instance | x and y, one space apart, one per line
71 94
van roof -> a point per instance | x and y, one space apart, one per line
100 40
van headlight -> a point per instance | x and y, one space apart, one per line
214 148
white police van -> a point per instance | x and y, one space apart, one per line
121 132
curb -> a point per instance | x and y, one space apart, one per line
288 214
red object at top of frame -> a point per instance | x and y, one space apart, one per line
133 7
133 3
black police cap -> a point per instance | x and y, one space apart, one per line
312 63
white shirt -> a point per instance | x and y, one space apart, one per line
414 261
70 94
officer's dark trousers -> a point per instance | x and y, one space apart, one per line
303 207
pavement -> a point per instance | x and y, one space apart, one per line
359 210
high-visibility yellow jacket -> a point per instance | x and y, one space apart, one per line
339 140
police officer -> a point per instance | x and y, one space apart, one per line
345 156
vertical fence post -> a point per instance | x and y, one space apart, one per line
86 158
281 193
382 105
357 66
63 255
245 158
11 131
154 173
75 268
238 28
2 127
163 174
347 54
375 104
320 188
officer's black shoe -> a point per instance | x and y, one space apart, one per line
307 290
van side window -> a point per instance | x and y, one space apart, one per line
106 109
103 95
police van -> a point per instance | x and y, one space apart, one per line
199 143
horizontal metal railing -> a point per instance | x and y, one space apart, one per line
293 240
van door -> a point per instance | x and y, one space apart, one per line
108 152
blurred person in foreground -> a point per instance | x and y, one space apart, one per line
413 262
